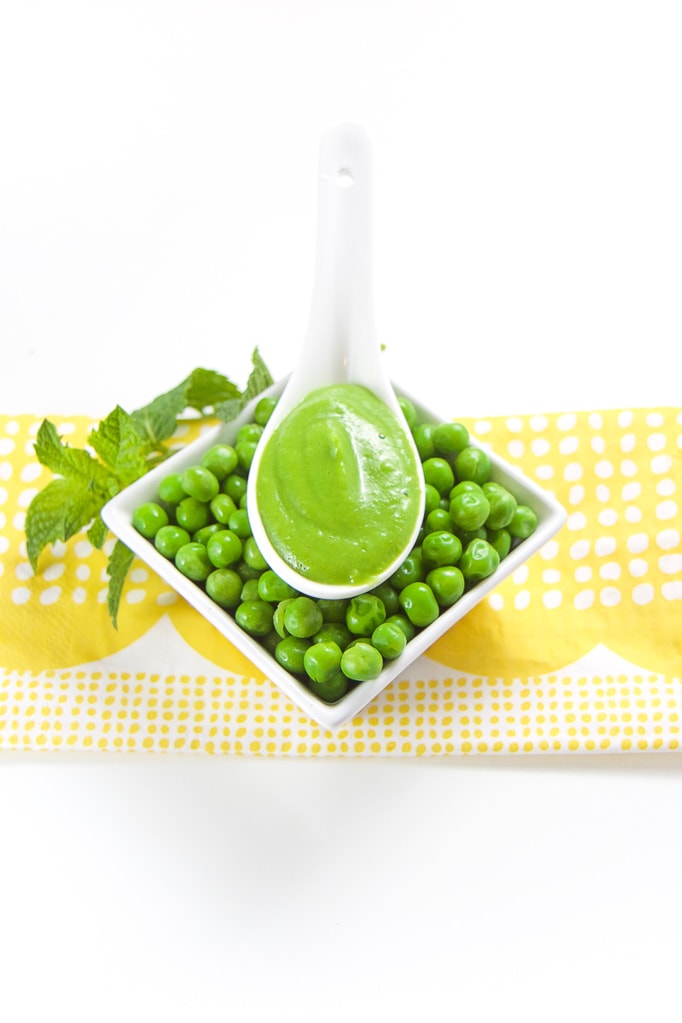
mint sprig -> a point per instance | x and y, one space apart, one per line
230 407
123 447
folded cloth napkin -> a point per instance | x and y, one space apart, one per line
580 650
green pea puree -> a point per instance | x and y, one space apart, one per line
338 487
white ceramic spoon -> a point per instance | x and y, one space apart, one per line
340 345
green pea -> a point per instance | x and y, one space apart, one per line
290 653
192 560
192 514
331 690
303 617
322 661
450 438
200 483
469 510
333 609
246 571
221 460
224 587
419 604
502 505
404 623
269 642
473 464
447 583
500 539
222 507
169 539
235 487
361 662
254 617
438 473
388 596
249 590
224 548
524 522
171 489
246 449
264 409
467 535
365 612
278 617
253 556
274 589
410 571
149 518
423 439
479 560
333 632
239 523
441 548
465 487
409 411
249 433
432 498
437 520
202 535
389 639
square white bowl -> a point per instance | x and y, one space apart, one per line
118 514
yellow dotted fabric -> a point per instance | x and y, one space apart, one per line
581 650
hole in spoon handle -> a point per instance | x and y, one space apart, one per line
344 178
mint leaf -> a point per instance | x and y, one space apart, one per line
120 561
120 445
206 389
127 445
61 509
98 532
226 411
72 463
259 379
202 390
156 421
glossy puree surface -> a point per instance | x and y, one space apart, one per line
338 486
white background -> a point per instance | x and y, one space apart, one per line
157 212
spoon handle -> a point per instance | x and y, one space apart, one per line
340 342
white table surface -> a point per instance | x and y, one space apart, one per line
157 183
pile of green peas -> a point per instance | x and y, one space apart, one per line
200 522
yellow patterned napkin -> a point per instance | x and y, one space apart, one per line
580 650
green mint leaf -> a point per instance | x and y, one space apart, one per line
98 532
120 445
72 463
61 509
259 379
119 562
202 390
206 389
229 410
156 421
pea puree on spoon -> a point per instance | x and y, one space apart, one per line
336 492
